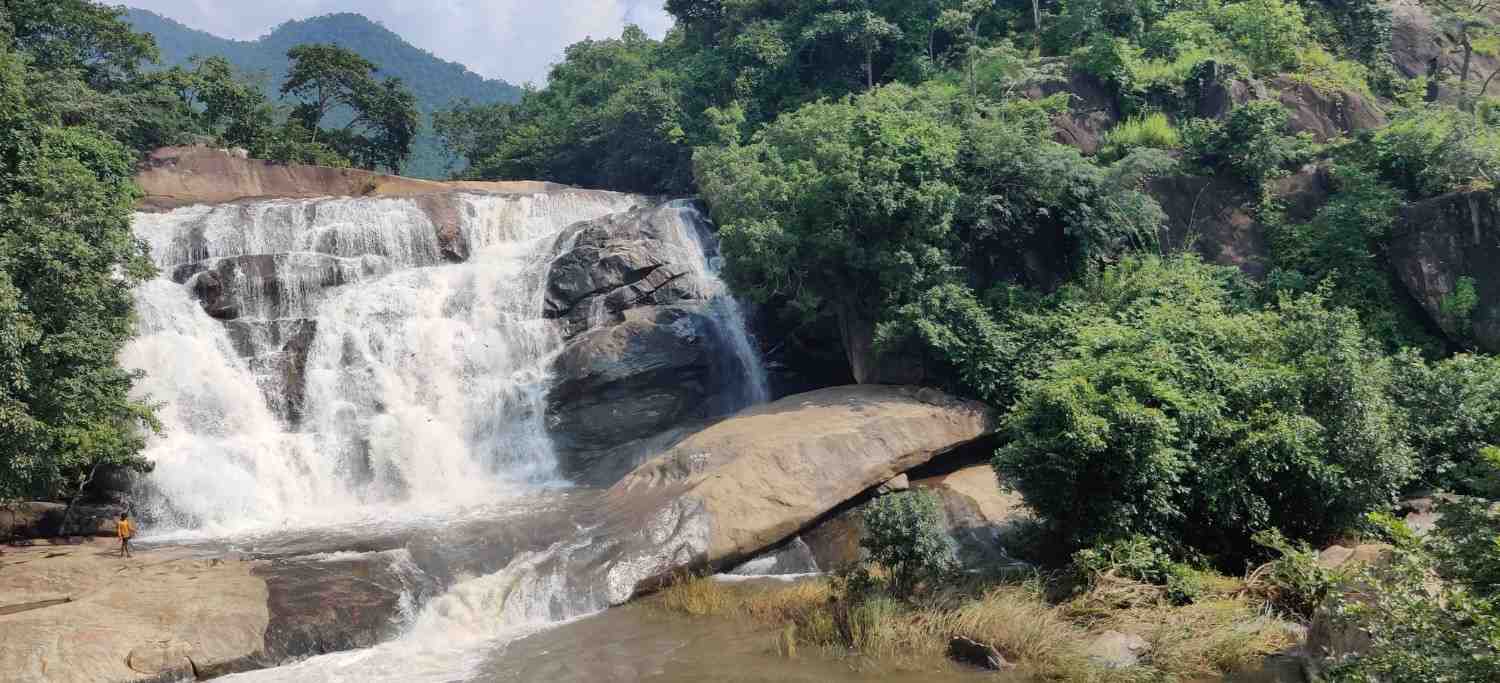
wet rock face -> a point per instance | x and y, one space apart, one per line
647 350
330 604
1443 240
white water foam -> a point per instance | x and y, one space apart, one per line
424 380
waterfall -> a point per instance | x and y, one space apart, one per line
361 370
350 362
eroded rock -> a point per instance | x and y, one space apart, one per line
1439 243
755 479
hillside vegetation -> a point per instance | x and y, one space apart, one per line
437 84
974 194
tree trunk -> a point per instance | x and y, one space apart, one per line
62 529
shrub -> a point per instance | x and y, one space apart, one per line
1253 142
1267 32
1436 149
1452 412
1420 631
1341 250
1175 413
1327 73
1150 130
1139 558
904 534
1294 582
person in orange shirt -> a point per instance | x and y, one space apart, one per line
125 530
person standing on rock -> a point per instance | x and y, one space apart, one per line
125 530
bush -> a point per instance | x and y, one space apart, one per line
1174 413
1294 582
1421 631
1139 558
1436 149
1253 142
1327 73
1342 252
1452 412
1267 32
1150 130
904 534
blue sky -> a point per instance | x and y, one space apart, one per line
511 39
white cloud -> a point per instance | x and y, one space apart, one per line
516 40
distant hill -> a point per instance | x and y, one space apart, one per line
436 83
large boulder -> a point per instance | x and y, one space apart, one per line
650 332
1327 113
1092 109
79 613
1422 45
754 480
45 520
1440 242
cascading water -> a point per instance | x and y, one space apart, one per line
421 382
355 374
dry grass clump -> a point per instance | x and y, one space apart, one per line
1226 629
699 597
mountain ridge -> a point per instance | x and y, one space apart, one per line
437 83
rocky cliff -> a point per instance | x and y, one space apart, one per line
1443 242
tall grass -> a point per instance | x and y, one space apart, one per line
1327 73
1153 130
1224 631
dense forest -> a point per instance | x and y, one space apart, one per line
917 178
437 84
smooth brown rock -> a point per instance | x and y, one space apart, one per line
180 176
1327 114
170 657
753 480
122 610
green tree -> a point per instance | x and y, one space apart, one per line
1175 411
81 36
904 534
843 207
384 113
66 249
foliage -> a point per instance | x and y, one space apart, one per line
1325 72
1342 251
1138 558
65 251
1177 414
1253 142
1452 409
1150 130
612 117
436 84
904 534
1294 582
888 157
1458 306
1436 149
1267 32
1421 631
384 112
